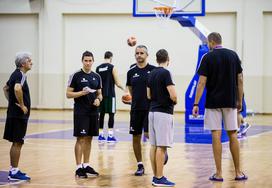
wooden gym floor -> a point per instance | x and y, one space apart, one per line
48 156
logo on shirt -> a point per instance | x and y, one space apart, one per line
136 75
83 131
84 80
103 69
93 78
148 72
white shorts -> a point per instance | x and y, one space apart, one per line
161 129
214 117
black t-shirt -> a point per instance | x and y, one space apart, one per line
105 71
221 67
18 77
84 105
158 81
137 79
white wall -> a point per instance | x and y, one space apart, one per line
18 33
57 32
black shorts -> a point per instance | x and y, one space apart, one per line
15 129
138 121
86 125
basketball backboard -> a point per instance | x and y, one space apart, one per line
145 8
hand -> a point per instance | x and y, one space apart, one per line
96 102
84 92
23 108
195 111
239 106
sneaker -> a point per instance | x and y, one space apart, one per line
145 139
162 182
90 171
80 173
245 129
111 139
241 128
101 138
140 170
18 176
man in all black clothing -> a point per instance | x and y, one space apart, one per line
109 77
136 82
221 72
84 87
17 93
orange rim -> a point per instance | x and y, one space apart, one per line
164 10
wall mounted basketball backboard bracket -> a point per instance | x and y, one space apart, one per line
146 8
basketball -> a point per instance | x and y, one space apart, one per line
131 41
126 99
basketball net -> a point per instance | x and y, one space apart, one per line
163 12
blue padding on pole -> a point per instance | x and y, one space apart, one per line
191 91
185 21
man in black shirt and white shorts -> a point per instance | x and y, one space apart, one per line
221 72
162 93
136 82
84 87
17 93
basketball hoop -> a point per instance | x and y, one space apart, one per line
163 12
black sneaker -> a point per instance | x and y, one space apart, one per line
80 173
90 171
140 170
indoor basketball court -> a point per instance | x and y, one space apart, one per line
58 32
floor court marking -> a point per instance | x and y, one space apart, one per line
56 185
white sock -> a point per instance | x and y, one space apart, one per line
140 163
85 165
110 133
14 170
79 166
101 132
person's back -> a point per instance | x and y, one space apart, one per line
109 76
220 72
162 93
222 68
105 71
160 98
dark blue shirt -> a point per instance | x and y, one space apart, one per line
221 67
18 77
137 79
84 105
158 81
108 83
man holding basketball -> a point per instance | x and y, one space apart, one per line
137 82
220 72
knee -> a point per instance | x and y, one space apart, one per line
17 144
